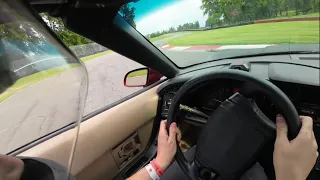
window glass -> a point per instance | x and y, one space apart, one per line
42 85
106 69
191 32
106 75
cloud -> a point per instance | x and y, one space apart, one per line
185 11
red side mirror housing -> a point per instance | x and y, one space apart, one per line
141 77
153 76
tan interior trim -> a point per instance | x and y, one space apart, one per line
96 135
105 167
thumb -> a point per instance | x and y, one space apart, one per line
173 132
282 129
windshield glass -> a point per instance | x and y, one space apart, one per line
42 85
196 31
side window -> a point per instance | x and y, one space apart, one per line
106 69
106 72
42 85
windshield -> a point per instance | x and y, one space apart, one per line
196 31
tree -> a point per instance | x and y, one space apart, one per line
298 4
172 29
127 13
307 6
197 25
68 37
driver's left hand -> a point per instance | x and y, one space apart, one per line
167 144
10 167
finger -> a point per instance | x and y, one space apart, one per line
307 124
178 135
282 129
163 130
173 132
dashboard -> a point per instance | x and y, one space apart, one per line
299 82
210 96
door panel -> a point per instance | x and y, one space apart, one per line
105 166
99 135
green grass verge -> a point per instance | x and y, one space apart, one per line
160 37
299 32
34 78
292 14
5 95
88 58
138 73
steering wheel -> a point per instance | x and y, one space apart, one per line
237 132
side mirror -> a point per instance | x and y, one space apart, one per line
141 77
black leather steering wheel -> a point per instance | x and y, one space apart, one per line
237 131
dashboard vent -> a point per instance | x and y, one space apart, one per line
299 92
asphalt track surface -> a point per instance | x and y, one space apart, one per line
106 75
41 108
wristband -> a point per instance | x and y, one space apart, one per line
156 166
152 173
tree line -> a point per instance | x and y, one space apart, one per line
226 12
56 24
182 27
68 37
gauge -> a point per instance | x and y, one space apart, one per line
167 99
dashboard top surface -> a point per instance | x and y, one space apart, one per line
300 69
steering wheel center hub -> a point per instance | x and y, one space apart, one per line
232 137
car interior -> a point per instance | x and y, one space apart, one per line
118 140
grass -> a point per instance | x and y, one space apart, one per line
166 36
292 14
138 73
34 78
88 58
37 77
299 32
160 37
5 95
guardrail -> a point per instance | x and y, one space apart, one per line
87 49
27 66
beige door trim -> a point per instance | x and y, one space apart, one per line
97 136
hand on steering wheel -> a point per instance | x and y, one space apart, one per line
167 144
294 159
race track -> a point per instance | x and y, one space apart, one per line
106 75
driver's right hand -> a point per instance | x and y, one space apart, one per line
294 159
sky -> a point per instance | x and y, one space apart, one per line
157 15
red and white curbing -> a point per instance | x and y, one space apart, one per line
213 48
